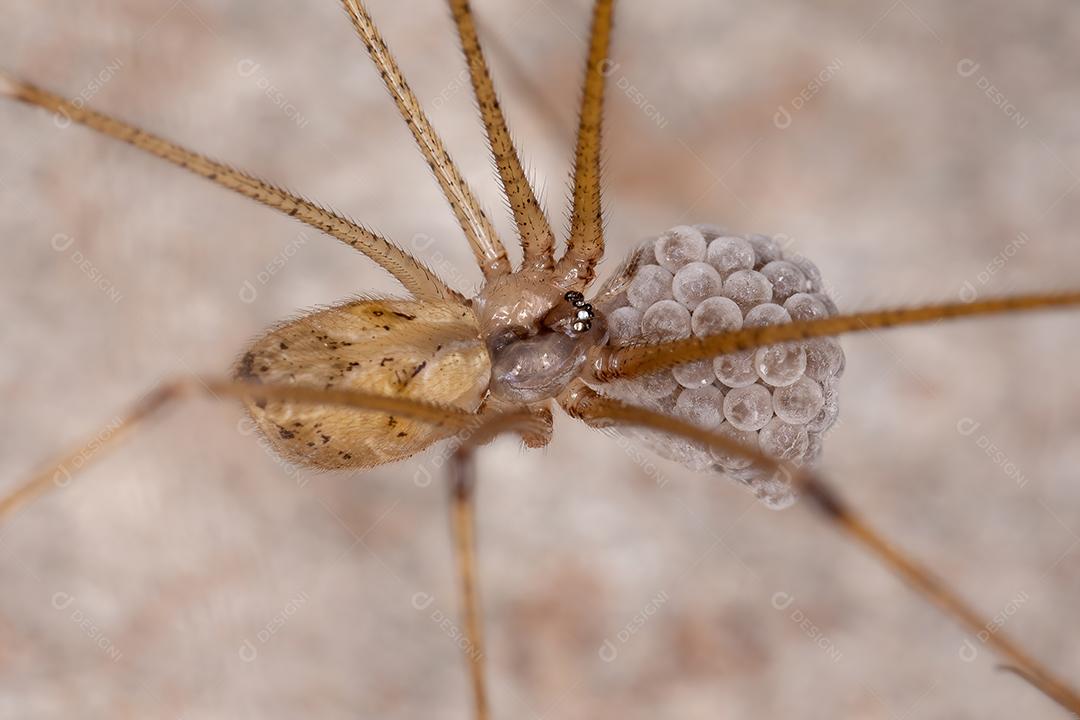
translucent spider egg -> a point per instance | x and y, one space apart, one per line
827 302
696 282
804 306
665 320
716 315
783 440
786 279
729 460
736 370
655 386
624 324
766 314
824 358
747 288
651 284
826 417
810 271
799 402
680 246
779 400
771 487
814 446
748 408
694 375
766 250
780 365
702 406
728 254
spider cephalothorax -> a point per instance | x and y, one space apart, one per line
538 340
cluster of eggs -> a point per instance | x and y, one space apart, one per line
701 281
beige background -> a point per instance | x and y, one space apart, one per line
132 593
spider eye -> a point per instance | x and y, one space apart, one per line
583 318
583 314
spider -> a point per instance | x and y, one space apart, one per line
374 381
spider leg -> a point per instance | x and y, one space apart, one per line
544 421
416 278
539 437
486 246
59 471
609 363
838 513
474 430
621 278
585 246
537 240
463 530
581 402
534 425
549 111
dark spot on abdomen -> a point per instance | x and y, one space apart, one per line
246 368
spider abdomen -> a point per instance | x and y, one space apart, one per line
781 399
424 351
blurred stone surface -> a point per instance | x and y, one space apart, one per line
191 575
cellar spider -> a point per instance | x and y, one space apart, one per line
546 315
